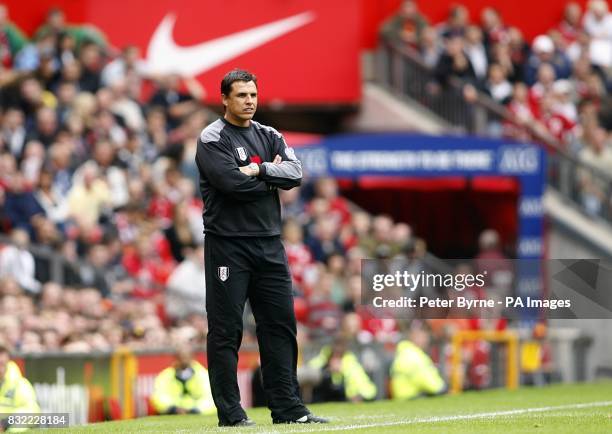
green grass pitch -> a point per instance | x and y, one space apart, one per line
580 408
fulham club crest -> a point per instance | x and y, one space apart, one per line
223 273
241 153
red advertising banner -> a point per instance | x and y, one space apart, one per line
303 51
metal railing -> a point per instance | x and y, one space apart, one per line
48 264
586 187
401 70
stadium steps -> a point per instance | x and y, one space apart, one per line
383 111
593 235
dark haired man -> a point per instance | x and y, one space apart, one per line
242 164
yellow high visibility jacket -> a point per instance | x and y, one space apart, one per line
356 380
16 394
168 391
413 373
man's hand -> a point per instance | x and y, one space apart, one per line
250 170
253 169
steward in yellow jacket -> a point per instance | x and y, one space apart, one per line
183 387
17 395
413 373
343 376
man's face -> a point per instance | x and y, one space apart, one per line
184 357
241 103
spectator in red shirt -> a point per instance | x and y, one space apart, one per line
542 87
557 124
324 316
327 188
298 254
492 260
570 26
495 31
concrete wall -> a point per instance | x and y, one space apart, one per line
563 244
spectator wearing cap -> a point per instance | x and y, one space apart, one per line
543 51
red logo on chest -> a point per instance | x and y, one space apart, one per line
256 159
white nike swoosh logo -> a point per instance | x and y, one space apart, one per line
164 56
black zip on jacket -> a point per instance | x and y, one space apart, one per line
236 204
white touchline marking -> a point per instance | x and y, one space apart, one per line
435 419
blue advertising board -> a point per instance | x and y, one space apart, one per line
411 155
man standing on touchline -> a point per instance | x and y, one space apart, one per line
242 164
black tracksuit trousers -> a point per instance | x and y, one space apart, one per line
256 268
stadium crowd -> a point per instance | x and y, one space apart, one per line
97 174
558 86
97 167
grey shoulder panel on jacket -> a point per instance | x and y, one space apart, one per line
212 133
267 129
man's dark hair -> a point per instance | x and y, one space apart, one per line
236 75
4 350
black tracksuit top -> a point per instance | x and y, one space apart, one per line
236 204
